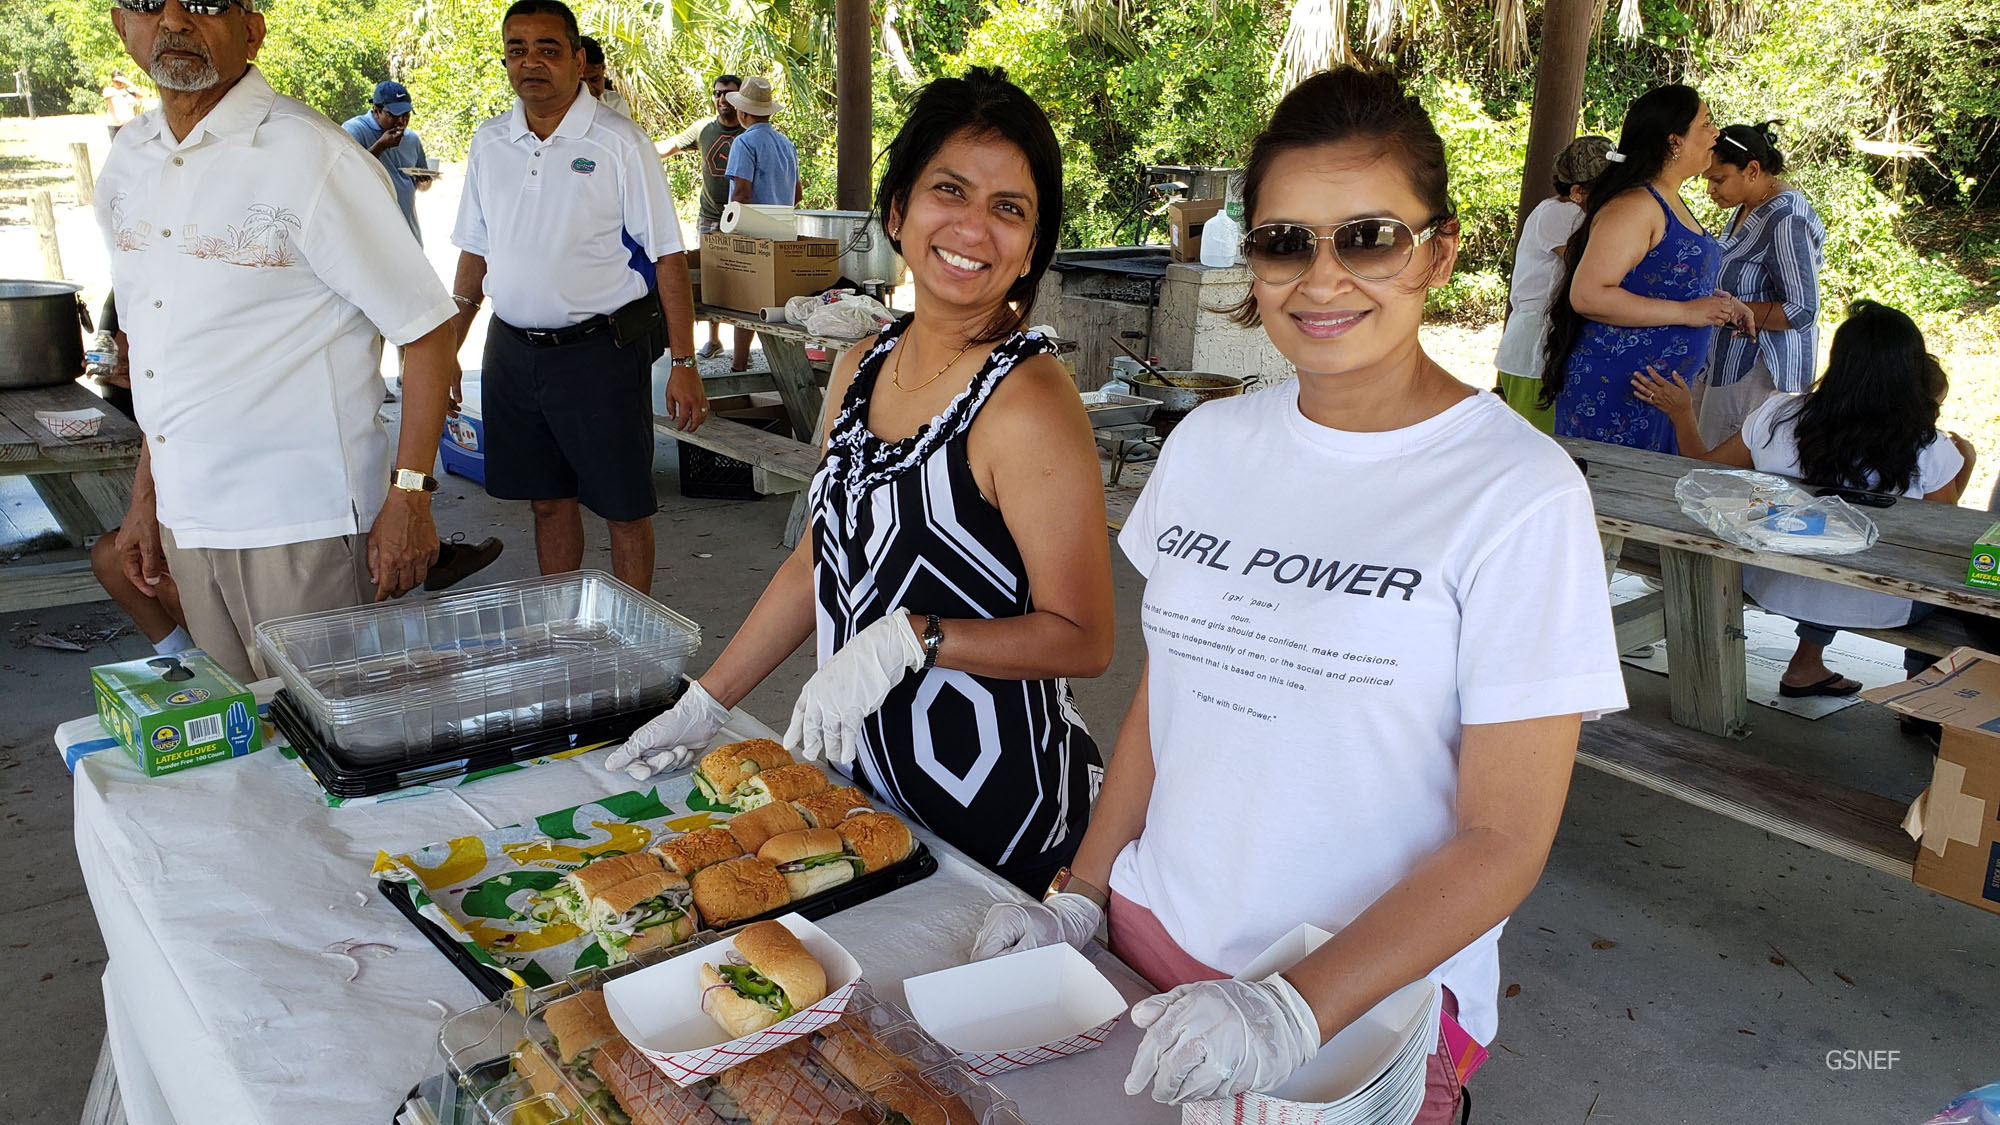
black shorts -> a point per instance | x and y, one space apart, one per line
572 421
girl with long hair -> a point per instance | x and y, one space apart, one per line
957 570
1771 258
1641 288
1869 424
1354 712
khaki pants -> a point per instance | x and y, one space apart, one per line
1721 411
227 594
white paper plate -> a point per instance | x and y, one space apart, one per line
1017 1010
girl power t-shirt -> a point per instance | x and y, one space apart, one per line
1323 613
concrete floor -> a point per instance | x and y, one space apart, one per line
1738 960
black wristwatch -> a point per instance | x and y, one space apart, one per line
933 640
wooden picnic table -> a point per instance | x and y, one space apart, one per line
86 483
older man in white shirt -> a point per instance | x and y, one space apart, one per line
566 222
259 260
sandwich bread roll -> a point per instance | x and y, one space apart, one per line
652 910
723 769
784 783
692 851
878 838
824 810
776 978
890 1079
579 1024
737 889
811 860
755 828
643 1094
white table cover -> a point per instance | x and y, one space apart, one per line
217 889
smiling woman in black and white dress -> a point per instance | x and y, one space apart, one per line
957 568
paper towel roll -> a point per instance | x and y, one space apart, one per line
755 220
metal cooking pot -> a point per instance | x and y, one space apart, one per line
1196 387
865 253
41 333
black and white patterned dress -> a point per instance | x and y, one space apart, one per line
1003 769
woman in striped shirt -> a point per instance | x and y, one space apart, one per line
1771 259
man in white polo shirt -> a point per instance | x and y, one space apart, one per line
567 223
259 260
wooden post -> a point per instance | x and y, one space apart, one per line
42 210
1704 620
1558 95
27 91
86 185
854 103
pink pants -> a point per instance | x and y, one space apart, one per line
1138 939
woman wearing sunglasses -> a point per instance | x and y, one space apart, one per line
957 568
1375 612
1641 286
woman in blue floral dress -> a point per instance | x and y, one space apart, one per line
1642 290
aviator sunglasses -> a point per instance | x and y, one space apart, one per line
191 7
1374 249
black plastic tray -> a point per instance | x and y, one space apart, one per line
494 984
343 781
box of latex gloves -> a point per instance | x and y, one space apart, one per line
175 711
1956 821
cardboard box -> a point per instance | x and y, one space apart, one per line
1983 568
753 274
1955 819
1184 223
172 712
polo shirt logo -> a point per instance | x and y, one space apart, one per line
583 165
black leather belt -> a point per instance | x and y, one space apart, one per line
557 337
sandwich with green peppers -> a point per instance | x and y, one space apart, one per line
769 977
569 900
724 769
782 783
811 860
580 1029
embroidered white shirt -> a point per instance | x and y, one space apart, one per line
570 226
258 264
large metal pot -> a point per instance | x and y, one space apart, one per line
865 253
41 333
1191 389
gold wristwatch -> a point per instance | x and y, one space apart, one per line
410 480
1066 882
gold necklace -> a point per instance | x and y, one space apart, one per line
897 376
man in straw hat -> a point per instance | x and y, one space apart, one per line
763 165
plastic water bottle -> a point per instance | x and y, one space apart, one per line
102 358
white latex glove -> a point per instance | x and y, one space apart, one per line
1011 927
1218 1038
672 739
826 722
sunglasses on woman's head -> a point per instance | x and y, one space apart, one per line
191 7
1374 249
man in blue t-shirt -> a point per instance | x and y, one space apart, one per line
763 165
384 131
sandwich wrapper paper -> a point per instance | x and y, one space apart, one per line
658 1008
480 888
1018 1010
1372 1073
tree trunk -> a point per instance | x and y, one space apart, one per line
854 103
1565 51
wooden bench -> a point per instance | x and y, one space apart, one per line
778 464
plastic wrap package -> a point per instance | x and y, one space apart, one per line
838 312
1770 513
1974 1107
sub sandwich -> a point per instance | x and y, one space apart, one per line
770 977
692 851
736 889
824 810
811 860
722 770
631 902
878 838
755 828
784 783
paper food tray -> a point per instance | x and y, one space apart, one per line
659 1008
1372 1073
1017 1010
485 1052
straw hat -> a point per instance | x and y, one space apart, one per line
754 98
